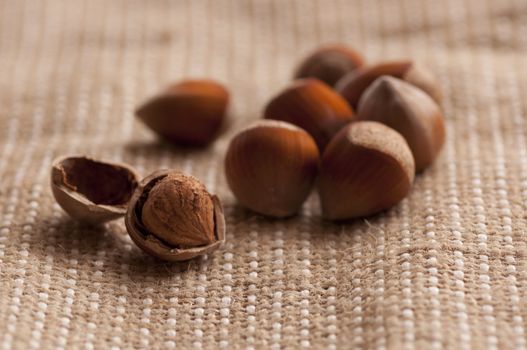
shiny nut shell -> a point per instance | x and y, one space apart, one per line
153 245
189 113
90 190
408 110
313 106
329 64
352 85
366 168
271 166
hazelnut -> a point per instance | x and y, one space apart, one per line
366 168
172 216
352 85
313 106
329 64
189 113
90 190
271 166
409 111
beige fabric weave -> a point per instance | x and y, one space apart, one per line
447 268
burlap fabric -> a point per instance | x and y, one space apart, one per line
447 268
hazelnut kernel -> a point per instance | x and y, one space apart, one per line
172 216
179 210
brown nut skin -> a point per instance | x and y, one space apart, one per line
352 85
271 166
189 113
329 63
365 169
313 106
92 191
409 111
179 225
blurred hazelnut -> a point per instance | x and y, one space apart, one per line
189 113
329 63
409 111
313 106
355 83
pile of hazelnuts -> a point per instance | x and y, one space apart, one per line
356 132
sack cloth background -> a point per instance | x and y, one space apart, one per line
447 268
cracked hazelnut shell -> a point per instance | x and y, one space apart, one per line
271 166
366 168
329 63
352 85
92 191
171 216
409 111
313 106
189 113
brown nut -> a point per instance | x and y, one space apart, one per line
365 169
329 64
171 216
313 106
92 191
409 111
189 113
355 83
271 166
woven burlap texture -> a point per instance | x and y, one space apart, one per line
447 268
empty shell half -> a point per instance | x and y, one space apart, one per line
90 190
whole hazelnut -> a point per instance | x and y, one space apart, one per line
352 85
313 106
329 63
271 166
172 217
408 110
189 113
92 191
366 168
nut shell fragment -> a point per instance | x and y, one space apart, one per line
179 246
92 191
